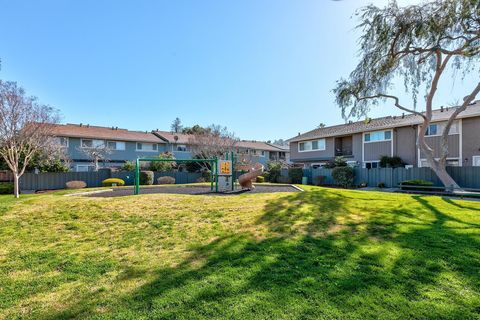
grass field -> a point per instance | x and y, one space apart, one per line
322 253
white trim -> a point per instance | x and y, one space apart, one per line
391 143
369 132
460 138
83 165
452 158
313 150
473 160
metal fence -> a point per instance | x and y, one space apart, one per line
58 180
466 177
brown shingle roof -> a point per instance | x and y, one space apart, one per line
258 145
384 123
170 136
96 132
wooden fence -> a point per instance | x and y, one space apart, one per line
6 176
57 180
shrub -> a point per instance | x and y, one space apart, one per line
343 176
381 185
319 180
295 175
206 175
6 188
163 166
417 182
110 182
283 179
391 162
166 180
76 184
128 166
146 178
274 170
260 179
201 179
337 162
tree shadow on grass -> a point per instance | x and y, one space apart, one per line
460 205
319 262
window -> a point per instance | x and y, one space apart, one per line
92 143
62 141
263 153
450 163
371 164
313 145
116 145
85 168
149 147
181 147
378 136
436 129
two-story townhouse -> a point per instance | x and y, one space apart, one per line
177 143
124 145
363 143
261 152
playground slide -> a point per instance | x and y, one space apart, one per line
245 180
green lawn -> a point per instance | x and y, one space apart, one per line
323 253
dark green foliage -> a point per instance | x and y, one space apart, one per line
391 162
337 162
6 188
128 166
163 166
295 175
416 182
146 177
274 170
260 179
206 175
113 181
381 185
343 176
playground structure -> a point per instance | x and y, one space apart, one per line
221 173
245 180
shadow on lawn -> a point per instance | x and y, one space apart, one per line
313 266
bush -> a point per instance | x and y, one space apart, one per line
146 178
110 182
319 180
6 188
295 175
260 179
274 170
201 179
163 166
128 166
391 162
343 176
283 179
417 182
381 185
76 184
337 162
166 180
206 175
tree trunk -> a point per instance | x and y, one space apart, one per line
16 186
446 179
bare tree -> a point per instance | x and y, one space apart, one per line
176 125
25 129
96 153
416 44
213 142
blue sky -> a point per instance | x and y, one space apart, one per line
263 68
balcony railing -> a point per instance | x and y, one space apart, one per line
344 153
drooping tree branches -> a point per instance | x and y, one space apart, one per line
415 44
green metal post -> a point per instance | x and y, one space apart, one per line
211 175
232 157
216 175
137 177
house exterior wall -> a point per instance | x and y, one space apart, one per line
470 140
375 150
312 156
405 141
435 143
357 147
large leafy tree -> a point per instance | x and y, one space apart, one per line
416 44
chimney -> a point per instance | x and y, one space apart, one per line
441 109
403 115
113 128
81 124
88 125
299 133
116 128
